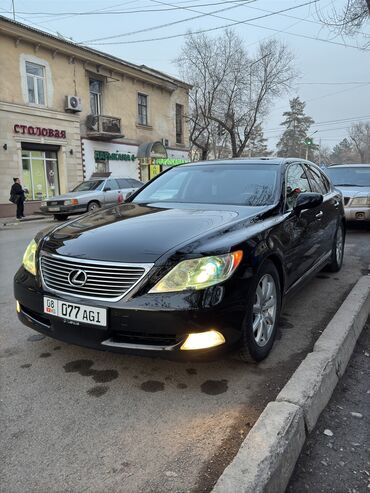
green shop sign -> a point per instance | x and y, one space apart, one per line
114 156
170 162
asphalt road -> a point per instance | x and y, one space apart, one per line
78 420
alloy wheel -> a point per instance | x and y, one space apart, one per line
264 310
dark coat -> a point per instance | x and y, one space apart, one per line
17 192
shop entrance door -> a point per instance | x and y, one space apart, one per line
40 174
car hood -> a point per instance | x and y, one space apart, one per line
140 233
351 191
70 195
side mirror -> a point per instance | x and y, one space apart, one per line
307 200
129 194
106 189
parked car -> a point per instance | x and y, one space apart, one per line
89 196
198 260
353 180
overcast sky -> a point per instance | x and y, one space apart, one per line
334 78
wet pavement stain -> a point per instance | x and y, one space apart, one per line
181 386
191 371
284 324
26 365
57 348
83 368
103 376
214 387
45 355
152 386
98 390
36 337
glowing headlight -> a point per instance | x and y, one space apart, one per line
203 340
360 201
199 273
29 257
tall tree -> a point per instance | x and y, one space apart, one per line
347 19
297 124
343 152
359 134
257 143
231 88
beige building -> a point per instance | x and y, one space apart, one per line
68 111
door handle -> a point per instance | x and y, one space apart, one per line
319 215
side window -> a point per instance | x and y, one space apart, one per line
112 184
135 183
123 183
296 183
142 109
95 87
317 183
35 83
326 182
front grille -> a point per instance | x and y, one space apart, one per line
54 202
145 338
346 200
103 280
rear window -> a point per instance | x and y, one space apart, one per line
233 184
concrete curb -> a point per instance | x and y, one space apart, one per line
266 458
12 221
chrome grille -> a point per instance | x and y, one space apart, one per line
104 280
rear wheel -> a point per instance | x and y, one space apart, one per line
93 206
60 217
262 314
336 260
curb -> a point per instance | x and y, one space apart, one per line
13 222
266 458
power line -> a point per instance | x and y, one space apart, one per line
92 41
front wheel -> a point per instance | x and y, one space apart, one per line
262 314
336 259
93 206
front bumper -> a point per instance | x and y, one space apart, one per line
148 324
357 213
63 209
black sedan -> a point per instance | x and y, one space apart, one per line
198 260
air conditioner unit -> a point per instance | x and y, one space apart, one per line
165 142
73 103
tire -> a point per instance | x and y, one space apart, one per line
258 334
336 259
60 217
93 206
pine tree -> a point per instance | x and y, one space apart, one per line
257 143
297 124
343 152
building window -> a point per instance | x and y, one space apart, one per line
142 107
40 174
35 83
179 124
96 96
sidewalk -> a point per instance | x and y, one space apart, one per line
6 221
336 456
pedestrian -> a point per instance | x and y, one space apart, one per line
17 196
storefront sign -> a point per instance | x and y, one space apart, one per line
39 131
169 162
114 156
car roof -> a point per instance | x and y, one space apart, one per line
278 161
349 165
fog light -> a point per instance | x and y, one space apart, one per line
17 306
202 340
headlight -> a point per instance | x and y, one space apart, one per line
29 257
199 273
360 201
71 202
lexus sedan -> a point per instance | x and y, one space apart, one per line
198 260
89 196
353 180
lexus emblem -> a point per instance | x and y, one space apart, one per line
77 277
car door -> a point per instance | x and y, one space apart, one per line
111 192
329 207
125 187
302 247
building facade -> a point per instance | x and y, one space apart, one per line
67 111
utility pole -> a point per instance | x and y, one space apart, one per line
13 7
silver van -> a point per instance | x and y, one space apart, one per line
89 196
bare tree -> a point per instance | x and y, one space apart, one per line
349 19
359 133
230 88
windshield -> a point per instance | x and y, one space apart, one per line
232 184
350 176
87 186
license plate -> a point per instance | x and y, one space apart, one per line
54 209
78 313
